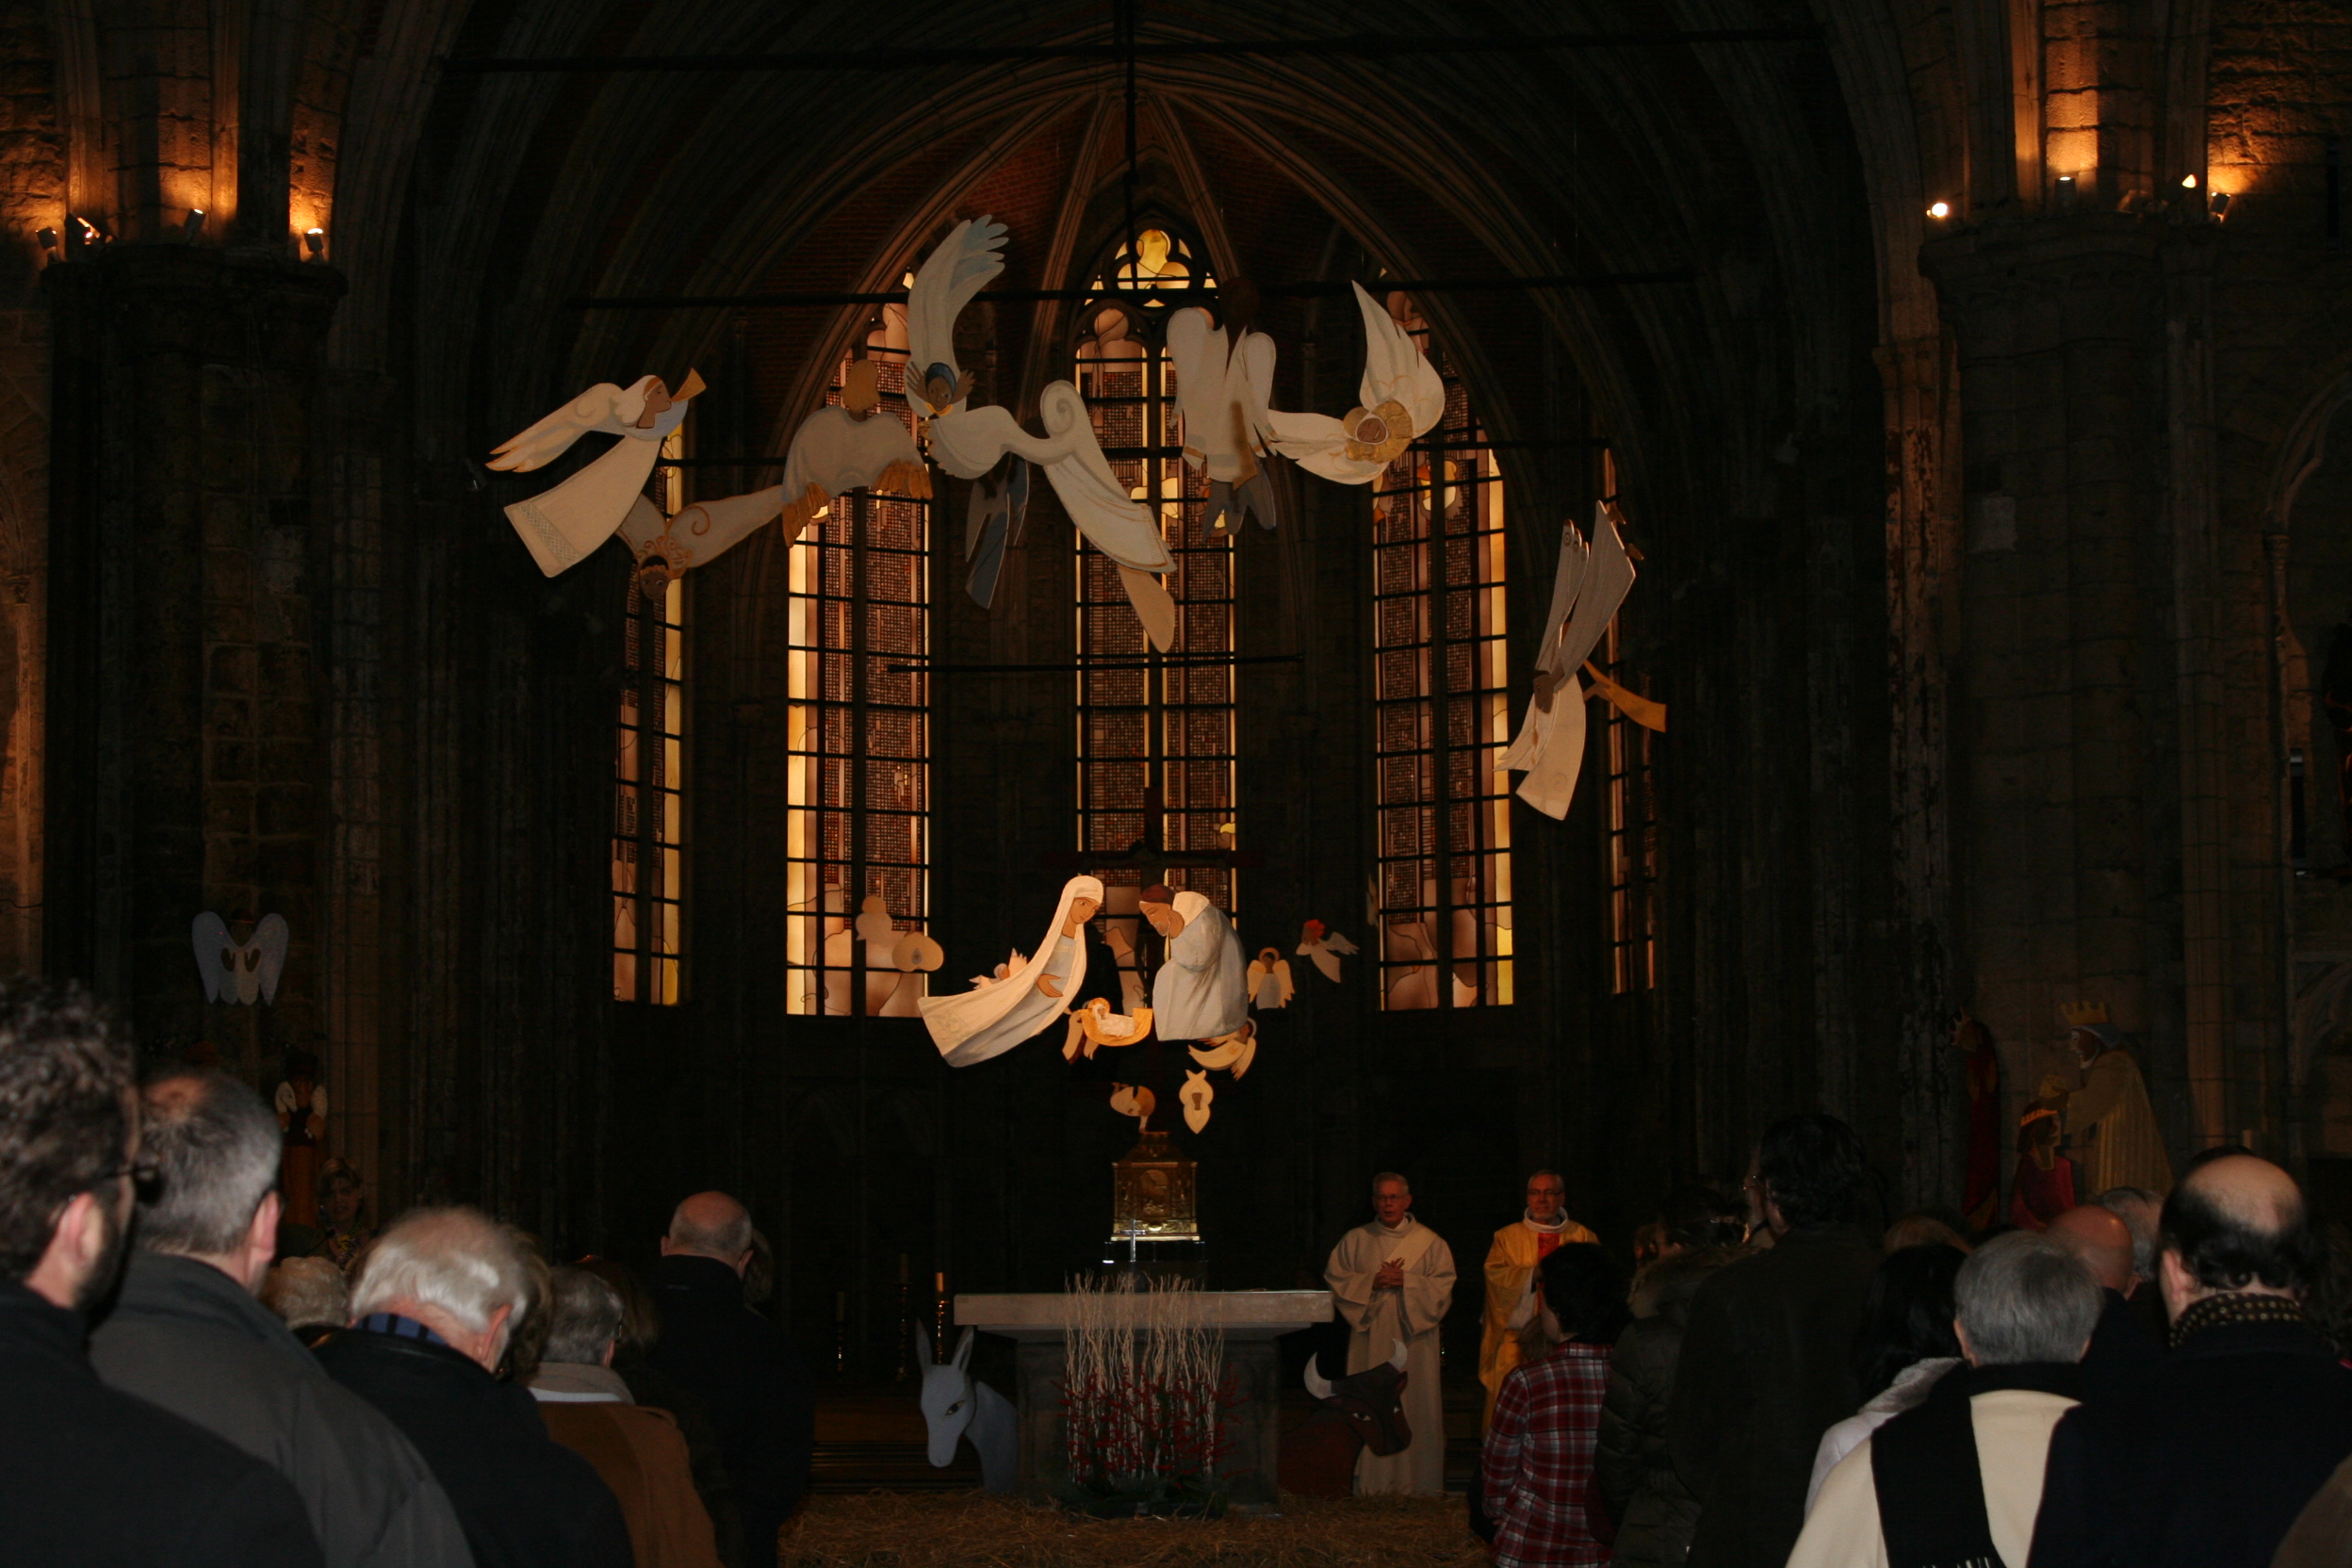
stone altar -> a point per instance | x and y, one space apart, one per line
1251 1321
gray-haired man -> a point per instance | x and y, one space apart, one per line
188 1334
1958 1478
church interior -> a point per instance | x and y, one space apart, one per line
1958 391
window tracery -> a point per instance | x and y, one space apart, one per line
649 777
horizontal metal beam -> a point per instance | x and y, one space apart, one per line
1321 288
1103 662
1378 46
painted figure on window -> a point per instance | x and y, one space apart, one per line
988 1020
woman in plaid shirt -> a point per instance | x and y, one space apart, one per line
1538 1463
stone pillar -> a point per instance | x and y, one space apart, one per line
187 763
2086 649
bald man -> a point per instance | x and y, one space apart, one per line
2123 1353
2211 1458
755 1382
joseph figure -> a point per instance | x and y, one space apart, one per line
1393 1280
1511 1297
2109 1122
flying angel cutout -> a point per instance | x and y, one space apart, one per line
1325 946
1235 1051
1269 981
969 442
1196 1095
1128 1099
563 525
1222 389
1588 587
1399 399
234 972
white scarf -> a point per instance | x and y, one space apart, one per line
1542 1230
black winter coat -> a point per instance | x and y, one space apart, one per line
525 1499
90 1478
1633 1464
703 1457
2209 1464
1767 1367
186 1336
755 1382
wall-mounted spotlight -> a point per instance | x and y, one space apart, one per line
192 226
2218 206
315 243
2066 192
82 233
2188 182
1939 209
47 240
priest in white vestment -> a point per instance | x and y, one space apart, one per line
1393 1280
1203 991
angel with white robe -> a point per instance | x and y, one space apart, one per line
1393 1280
1400 397
1203 991
563 525
1222 390
1269 981
988 1020
1587 589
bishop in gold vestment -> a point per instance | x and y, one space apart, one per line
1511 1272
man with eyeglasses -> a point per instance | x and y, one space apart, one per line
89 1476
1511 1296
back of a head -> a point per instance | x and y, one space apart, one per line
1813 1166
65 1111
457 1259
586 1317
1921 1228
710 1225
1906 1316
1585 1289
215 1149
308 1293
2141 1210
641 1320
2100 1239
2023 1298
2239 1223
1698 1217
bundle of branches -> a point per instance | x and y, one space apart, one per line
1144 1392
972 1529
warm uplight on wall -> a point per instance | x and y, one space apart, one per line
2188 182
315 243
192 226
1939 209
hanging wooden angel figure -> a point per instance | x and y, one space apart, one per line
246 971
988 1020
1233 1051
1135 1101
1196 1094
1222 389
563 525
1400 397
302 1106
1591 582
1269 981
1093 1026
1326 947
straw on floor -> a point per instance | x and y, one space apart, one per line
883 1529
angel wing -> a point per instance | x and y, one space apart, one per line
605 407
562 525
216 960
1235 1051
999 505
1338 943
1641 710
959 267
271 938
969 442
1400 397
1196 1094
699 534
834 452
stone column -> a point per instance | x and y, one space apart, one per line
189 770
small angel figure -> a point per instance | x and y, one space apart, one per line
1135 1101
1325 946
1269 981
1196 1094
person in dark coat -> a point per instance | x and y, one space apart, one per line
433 1306
187 1333
2124 1354
91 1477
1766 1359
754 1379
1633 1466
2210 1461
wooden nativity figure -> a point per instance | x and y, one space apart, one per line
2109 1122
991 1019
1202 992
2044 1187
1093 1025
302 1106
1981 1204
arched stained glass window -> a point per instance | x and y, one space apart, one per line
1442 719
649 777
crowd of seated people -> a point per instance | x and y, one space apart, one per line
2147 1381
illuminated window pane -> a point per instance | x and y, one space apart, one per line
649 779
1156 742
857 814
1633 843
1441 718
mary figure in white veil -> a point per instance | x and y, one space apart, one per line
991 1019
